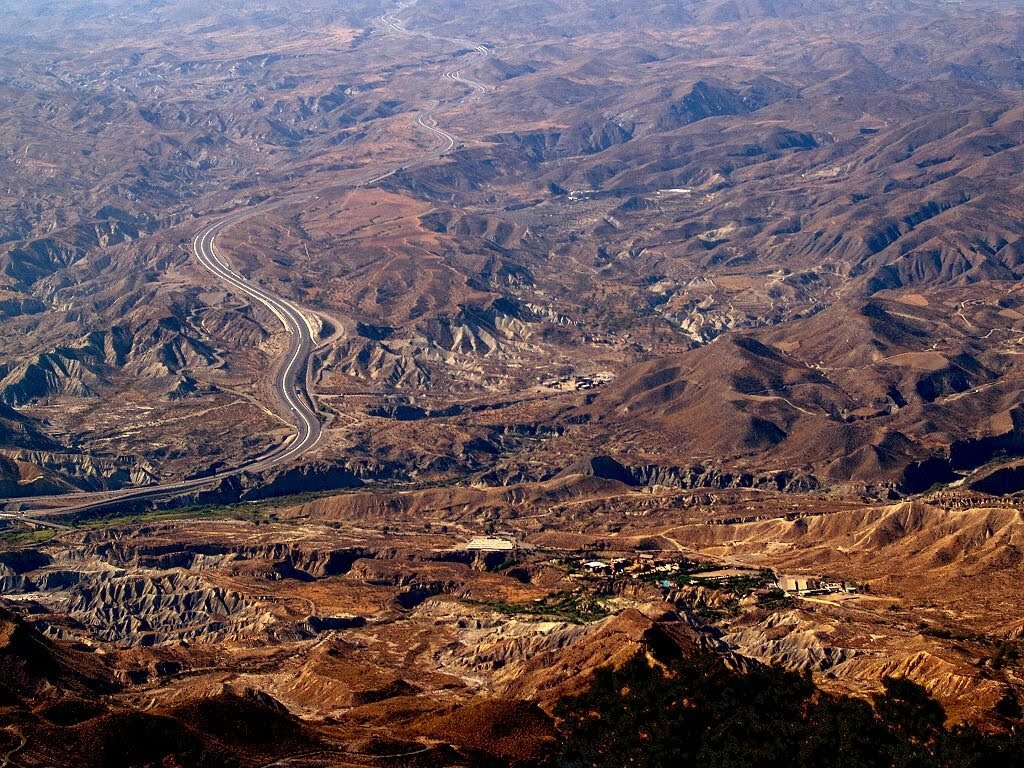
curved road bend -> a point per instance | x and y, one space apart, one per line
430 125
456 74
289 386
425 120
289 382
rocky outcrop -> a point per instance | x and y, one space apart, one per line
32 667
22 560
13 305
307 478
479 329
694 476
28 262
592 137
153 349
546 659
79 470
283 481
48 374
19 431
12 583
299 561
958 686
585 138
146 609
704 100
790 640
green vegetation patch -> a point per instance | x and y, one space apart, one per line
91 521
264 511
737 585
564 606
23 537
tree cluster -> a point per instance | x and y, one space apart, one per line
699 712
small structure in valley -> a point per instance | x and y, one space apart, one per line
797 585
808 585
492 544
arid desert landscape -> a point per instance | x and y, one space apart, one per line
436 383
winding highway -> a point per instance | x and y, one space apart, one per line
289 381
289 387
426 122
456 74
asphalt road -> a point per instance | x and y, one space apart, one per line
456 74
427 123
290 379
289 386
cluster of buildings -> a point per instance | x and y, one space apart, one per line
665 571
579 383
808 585
648 566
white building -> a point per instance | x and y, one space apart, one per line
492 544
